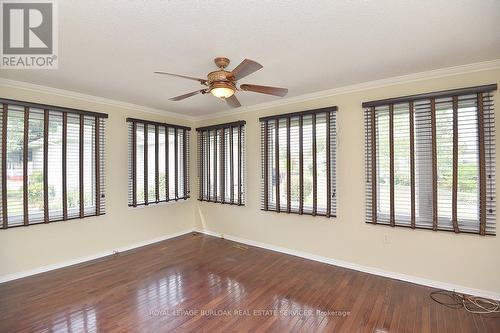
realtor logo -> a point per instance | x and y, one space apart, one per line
29 34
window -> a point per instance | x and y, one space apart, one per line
221 152
52 163
430 161
158 162
298 152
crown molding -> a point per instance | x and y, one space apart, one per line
415 77
421 76
90 98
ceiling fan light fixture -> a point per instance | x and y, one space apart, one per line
222 90
222 83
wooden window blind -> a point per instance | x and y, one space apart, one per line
221 163
52 163
158 162
298 154
430 161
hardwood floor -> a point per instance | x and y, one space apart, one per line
198 283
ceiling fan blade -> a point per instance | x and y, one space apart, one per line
246 67
202 81
233 101
265 89
181 97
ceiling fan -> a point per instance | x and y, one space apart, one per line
222 83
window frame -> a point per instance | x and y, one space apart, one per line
331 126
181 136
46 112
484 124
210 138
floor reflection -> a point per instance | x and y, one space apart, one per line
218 285
84 320
166 292
288 308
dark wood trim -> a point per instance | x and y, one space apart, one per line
300 113
454 193
437 94
220 126
65 165
231 163
277 162
288 167
56 221
5 120
176 159
391 164
52 108
97 160
301 165
167 161
134 164
240 165
315 167
482 165
430 229
25 164
328 168
157 171
215 189
163 201
46 165
222 164
266 165
223 203
149 122
434 166
146 165
185 171
305 213
80 169
374 164
208 164
412 162
201 167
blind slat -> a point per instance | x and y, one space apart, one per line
52 162
158 162
221 163
298 157
438 156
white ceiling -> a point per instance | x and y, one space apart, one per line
111 48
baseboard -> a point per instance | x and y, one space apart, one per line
15 276
361 268
301 254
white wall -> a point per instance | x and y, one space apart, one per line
28 248
461 259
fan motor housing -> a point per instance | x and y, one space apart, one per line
219 76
